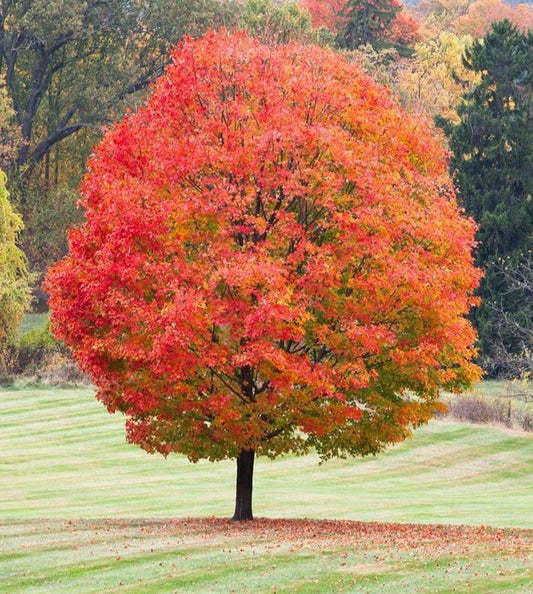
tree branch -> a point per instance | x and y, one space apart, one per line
44 146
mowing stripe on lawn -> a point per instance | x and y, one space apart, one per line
62 455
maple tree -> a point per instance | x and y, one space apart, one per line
405 29
325 13
272 260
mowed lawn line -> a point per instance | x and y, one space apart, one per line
62 455
264 556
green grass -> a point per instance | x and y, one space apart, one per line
63 457
521 390
32 321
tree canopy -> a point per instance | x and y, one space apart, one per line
273 260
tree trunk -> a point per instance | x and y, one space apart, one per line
243 499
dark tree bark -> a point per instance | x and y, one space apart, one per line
243 499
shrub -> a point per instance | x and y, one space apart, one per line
32 348
511 412
524 417
476 409
36 355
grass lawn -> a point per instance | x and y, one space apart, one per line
63 458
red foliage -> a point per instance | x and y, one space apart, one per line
273 259
405 29
324 13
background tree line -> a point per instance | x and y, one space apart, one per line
70 67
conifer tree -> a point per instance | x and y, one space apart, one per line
367 21
493 164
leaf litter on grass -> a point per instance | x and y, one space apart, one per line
297 555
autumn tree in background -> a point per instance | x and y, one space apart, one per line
324 13
404 29
492 148
64 60
14 287
483 13
442 15
273 260
435 80
69 67
274 22
480 16
472 17
360 23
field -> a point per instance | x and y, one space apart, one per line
80 510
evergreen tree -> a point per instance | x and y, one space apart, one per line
367 21
493 163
